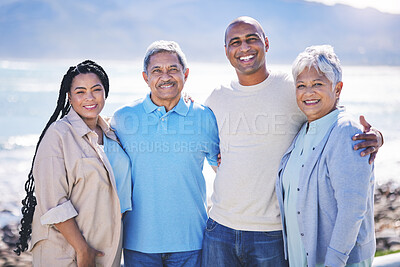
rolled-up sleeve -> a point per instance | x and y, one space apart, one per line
58 214
52 187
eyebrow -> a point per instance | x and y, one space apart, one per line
301 81
252 35
81 87
247 36
169 66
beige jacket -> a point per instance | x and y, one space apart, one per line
74 179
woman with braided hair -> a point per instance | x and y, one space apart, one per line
75 214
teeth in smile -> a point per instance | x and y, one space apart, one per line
91 106
166 85
311 101
246 58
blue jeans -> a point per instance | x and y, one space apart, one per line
223 246
174 259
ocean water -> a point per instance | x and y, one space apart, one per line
28 94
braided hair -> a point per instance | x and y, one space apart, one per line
62 108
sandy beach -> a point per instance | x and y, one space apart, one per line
387 227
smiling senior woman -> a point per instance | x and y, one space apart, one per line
325 189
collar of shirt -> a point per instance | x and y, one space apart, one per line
318 128
82 129
182 108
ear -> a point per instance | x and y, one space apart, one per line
69 96
338 89
226 51
266 44
186 74
145 77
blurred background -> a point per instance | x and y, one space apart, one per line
40 39
362 31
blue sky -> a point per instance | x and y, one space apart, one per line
122 29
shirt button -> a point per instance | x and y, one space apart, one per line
298 212
302 165
162 119
302 234
159 109
298 189
313 148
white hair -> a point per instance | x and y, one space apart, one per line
323 59
164 47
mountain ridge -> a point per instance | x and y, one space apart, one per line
123 29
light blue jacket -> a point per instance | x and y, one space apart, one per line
335 200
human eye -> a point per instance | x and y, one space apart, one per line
318 84
173 70
156 71
235 43
252 39
300 86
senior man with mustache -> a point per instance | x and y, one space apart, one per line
167 140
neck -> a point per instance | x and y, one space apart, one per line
91 123
253 78
167 104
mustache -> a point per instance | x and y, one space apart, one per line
166 83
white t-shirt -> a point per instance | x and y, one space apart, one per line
256 125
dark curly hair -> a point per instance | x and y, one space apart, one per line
62 108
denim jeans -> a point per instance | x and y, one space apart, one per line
223 246
174 259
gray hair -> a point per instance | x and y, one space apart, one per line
164 47
323 59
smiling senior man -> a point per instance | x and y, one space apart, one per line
167 140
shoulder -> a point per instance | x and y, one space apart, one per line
59 128
202 109
346 126
339 147
221 91
136 104
51 143
133 107
340 137
282 82
278 77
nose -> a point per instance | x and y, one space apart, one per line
309 90
165 76
89 95
244 46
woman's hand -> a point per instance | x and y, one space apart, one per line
87 257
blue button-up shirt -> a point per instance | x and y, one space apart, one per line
167 151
